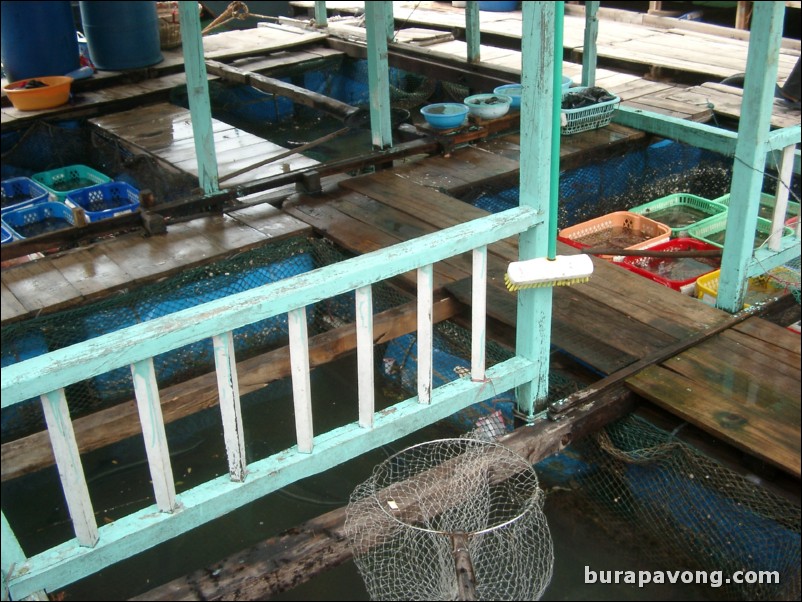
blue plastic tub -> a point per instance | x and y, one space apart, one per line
21 192
498 6
104 200
5 235
122 35
38 39
46 216
445 115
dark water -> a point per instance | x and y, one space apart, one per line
616 237
13 200
72 184
718 237
48 224
119 484
678 216
678 269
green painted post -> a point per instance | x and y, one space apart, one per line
750 152
472 30
321 18
378 73
533 336
198 92
589 45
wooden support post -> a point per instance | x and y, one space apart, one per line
321 18
230 408
379 73
750 153
301 386
198 92
472 31
534 305
478 313
589 57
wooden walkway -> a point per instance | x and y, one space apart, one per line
165 131
649 47
615 320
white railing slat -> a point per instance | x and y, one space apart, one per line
781 198
478 311
364 353
70 470
425 335
225 362
149 406
301 387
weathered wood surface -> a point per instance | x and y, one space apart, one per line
118 90
165 131
67 279
742 385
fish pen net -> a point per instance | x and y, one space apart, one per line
36 336
451 360
454 519
683 511
48 146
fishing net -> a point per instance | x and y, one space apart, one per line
46 146
271 263
451 360
680 510
454 519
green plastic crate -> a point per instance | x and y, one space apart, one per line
64 180
767 206
712 230
679 229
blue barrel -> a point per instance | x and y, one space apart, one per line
121 35
38 39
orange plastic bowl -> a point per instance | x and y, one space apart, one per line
55 92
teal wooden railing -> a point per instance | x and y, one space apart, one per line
95 547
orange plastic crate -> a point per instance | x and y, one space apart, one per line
622 229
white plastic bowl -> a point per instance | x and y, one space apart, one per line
488 106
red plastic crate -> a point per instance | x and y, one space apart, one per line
679 274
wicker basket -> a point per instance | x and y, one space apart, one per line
169 26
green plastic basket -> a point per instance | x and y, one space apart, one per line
766 206
660 210
64 180
712 230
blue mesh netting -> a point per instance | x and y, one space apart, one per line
620 183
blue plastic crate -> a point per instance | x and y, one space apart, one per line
6 235
21 192
60 182
104 200
46 216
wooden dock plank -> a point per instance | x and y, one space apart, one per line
36 286
746 426
10 306
771 334
89 270
761 357
441 210
461 170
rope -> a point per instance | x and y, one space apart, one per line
235 10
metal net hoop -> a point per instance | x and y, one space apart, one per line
452 519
